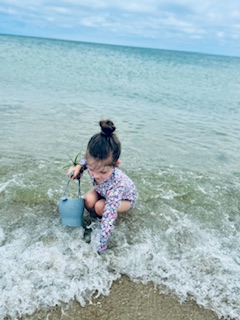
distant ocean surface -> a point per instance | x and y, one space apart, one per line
178 117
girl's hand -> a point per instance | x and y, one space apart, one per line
76 171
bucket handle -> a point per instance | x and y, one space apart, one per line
67 187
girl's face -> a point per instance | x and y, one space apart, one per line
100 170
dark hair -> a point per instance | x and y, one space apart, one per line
105 143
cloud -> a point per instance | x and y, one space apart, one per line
186 20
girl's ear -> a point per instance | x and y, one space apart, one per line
118 162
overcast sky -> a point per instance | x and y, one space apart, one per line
208 26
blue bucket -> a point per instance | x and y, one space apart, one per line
71 210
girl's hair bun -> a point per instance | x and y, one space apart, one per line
107 127
105 144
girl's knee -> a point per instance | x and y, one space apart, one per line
99 206
90 198
125 206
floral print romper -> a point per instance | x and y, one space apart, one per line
116 188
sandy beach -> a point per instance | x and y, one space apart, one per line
129 300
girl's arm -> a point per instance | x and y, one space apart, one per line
113 201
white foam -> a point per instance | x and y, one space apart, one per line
188 260
2 237
44 263
14 181
57 266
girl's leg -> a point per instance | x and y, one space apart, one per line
124 206
99 207
90 199
100 204
94 203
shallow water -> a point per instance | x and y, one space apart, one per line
177 116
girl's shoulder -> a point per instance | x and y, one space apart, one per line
120 176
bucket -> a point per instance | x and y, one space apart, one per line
71 210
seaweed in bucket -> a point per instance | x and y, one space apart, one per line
113 191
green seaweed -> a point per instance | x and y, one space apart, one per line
74 161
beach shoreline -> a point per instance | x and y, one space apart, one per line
128 300
177 116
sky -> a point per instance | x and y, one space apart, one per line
206 26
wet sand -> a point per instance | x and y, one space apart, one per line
129 301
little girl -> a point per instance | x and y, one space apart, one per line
113 191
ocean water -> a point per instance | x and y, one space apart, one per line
177 115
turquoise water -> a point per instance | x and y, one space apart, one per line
177 115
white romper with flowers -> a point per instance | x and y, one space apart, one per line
116 188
